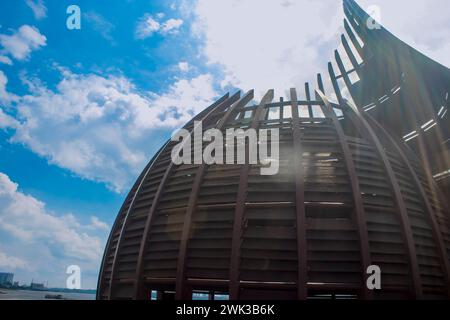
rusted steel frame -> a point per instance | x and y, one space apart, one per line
360 214
350 54
100 284
234 283
443 255
138 289
302 278
125 221
399 201
180 288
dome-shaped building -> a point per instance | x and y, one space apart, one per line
359 184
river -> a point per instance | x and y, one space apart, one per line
6 294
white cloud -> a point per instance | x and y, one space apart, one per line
98 127
7 121
280 45
5 60
183 66
39 8
422 24
26 219
49 242
22 42
5 96
184 99
3 82
148 25
285 43
171 25
97 224
11 263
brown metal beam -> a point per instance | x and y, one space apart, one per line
240 206
138 285
400 204
352 37
302 287
347 81
335 84
320 83
359 26
350 54
308 98
422 157
101 283
180 289
320 86
125 223
443 255
360 215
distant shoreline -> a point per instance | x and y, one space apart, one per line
59 290
25 294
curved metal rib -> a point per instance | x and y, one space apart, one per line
234 284
125 223
138 286
180 289
400 204
302 281
360 214
443 256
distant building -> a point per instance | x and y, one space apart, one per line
37 286
6 279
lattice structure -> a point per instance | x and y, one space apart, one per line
350 192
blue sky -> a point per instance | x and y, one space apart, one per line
106 46
82 111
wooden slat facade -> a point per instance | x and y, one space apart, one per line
350 192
